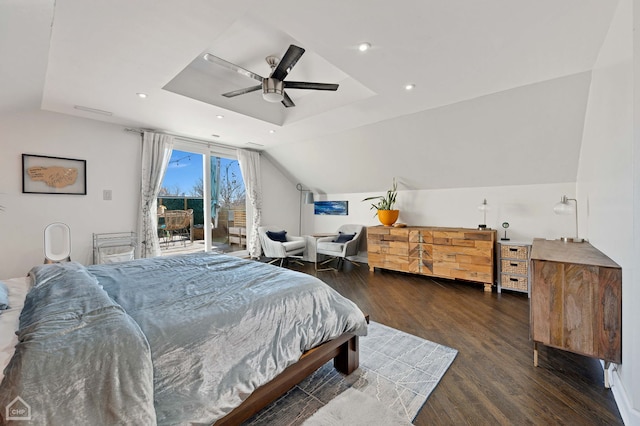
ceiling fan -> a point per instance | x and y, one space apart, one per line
273 86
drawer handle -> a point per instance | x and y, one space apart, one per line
513 279
513 249
513 264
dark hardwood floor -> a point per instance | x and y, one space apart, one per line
492 380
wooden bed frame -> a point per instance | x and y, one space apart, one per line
345 353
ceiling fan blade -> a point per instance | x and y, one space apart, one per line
242 91
311 86
287 102
287 62
233 67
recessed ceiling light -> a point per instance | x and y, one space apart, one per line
409 86
363 47
141 95
219 116
272 131
92 110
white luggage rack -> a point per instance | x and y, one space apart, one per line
114 247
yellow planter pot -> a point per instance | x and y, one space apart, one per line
388 217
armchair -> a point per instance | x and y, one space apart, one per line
345 244
287 245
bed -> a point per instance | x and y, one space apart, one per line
189 339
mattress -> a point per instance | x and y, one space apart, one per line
10 319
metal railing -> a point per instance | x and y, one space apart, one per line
230 232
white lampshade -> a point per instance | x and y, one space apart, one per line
308 197
484 206
563 207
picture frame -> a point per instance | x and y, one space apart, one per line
340 208
53 175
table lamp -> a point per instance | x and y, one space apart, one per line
564 208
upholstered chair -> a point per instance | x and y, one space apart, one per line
344 244
279 245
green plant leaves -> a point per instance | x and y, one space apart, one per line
385 202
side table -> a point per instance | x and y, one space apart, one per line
310 253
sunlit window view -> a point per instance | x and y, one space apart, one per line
182 210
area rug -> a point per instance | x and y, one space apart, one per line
398 372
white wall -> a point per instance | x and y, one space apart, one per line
113 163
631 377
527 208
504 138
280 198
605 187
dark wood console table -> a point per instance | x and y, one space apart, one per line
576 301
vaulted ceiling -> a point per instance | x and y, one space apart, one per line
500 93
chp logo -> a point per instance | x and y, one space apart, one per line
18 409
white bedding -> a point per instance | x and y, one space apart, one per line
10 318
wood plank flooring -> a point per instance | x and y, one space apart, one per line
492 380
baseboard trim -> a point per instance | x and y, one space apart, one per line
630 416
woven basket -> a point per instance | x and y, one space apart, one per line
514 252
514 266
514 283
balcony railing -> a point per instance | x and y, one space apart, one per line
228 231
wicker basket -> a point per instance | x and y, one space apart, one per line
514 252
514 283
514 266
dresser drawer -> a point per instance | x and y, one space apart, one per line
388 247
514 282
514 252
396 263
509 266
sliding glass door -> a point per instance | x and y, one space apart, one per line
228 205
210 185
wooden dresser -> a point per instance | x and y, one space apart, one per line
576 300
454 253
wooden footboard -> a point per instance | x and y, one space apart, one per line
343 350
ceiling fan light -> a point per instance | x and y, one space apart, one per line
272 90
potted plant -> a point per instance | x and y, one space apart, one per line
384 207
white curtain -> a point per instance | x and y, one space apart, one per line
250 169
156 152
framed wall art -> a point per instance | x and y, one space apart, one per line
340 208
53 175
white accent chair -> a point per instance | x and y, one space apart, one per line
337 249
280 250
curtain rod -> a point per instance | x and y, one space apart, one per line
188 139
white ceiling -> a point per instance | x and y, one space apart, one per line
100 53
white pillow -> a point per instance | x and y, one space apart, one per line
10 319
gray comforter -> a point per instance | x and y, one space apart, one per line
217 327
80 359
